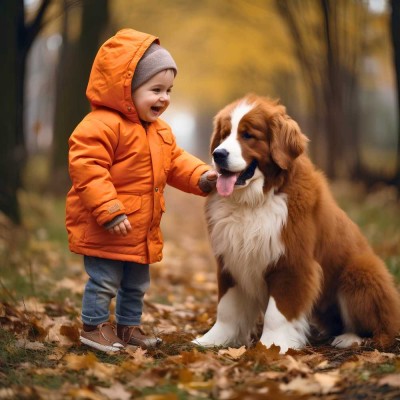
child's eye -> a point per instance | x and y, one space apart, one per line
156 90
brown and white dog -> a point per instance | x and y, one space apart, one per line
283 246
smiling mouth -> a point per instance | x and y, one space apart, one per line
227 180
156 109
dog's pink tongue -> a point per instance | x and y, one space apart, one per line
225 184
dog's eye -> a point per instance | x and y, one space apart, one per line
246 135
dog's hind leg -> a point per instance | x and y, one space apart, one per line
236 317
369 302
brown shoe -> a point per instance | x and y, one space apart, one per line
135 336
102 338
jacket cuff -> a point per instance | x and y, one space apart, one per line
115 221
108 211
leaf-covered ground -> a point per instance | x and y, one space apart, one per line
41 286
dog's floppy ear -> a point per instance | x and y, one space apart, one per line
216 132
287 140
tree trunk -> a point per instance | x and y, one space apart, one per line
17 40
73 73
395 30
12 72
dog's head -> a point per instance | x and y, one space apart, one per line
253 139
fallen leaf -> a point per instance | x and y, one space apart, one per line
85 393
262 354
76 362
26 344
375 357
165 396
233 353
115 392
327 381
139 355
391 380
301 386
291 364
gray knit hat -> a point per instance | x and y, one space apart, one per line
153 61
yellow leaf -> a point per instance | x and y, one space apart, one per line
185 375
85 393
138 354
233 353
76 362
165 396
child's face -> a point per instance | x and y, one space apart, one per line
153 97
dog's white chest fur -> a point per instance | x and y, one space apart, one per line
248 236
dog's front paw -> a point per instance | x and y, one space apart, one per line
203 341
219 335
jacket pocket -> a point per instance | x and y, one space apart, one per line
98 236
132 203
166 145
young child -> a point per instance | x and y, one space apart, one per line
120 159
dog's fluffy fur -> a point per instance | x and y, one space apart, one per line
282 244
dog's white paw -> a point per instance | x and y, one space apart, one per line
218 335
346 340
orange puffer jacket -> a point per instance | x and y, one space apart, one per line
117 167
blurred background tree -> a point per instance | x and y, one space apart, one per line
395 32
18 34
84 27
329 61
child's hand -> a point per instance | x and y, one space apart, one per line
123 228
208 181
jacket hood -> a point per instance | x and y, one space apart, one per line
112 71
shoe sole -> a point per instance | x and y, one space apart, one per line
99 346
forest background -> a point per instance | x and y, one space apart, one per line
334 64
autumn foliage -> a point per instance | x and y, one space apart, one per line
41 357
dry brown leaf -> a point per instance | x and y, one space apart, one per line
103 371
26 344
46 371
233 353
72 285
71 332
327 381
197 385
262 354
192 356
375 357
115 392
318 383
391 380
291 364
31 304
7 393
185 375
85 393
301 386
64 332
76 362
139 355
165 396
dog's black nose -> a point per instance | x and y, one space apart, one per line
220 156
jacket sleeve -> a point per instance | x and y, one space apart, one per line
91 151
186 171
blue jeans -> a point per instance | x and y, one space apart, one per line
107 279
